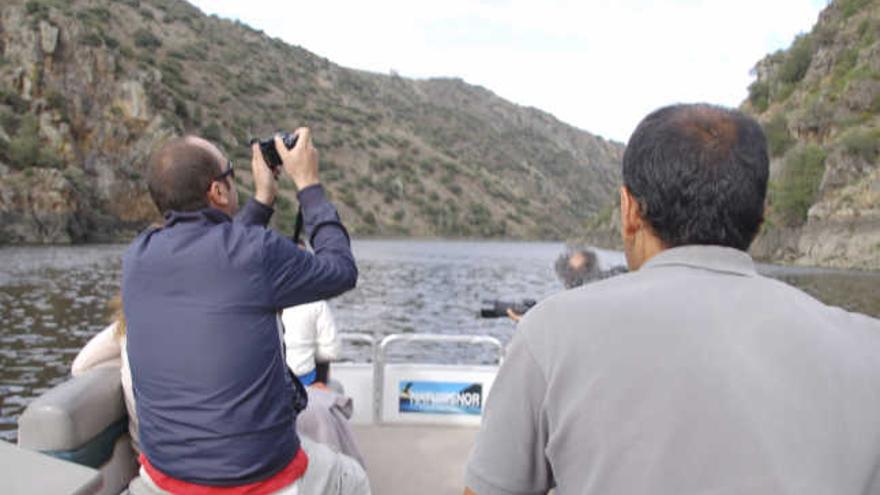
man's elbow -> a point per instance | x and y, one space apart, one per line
349 277
468 491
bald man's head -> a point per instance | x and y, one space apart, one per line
181 172
699 175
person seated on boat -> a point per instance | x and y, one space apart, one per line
107 348
580 265
310 338
576 267
692 373
312 342
216 402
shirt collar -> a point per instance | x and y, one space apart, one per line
207 215
714 258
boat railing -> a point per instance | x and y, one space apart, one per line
417 392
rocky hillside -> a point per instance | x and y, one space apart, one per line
88 87
819 102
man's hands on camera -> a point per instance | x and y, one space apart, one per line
265 186
301 162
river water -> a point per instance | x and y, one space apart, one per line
53 299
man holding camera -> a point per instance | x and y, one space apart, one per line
216 403
692 374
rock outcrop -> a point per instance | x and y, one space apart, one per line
820 104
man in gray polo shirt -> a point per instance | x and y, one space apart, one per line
692 374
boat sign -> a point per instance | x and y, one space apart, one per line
431 397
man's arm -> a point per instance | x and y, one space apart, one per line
508 456
254 213
299 277
296 276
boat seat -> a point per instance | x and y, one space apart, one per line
83 420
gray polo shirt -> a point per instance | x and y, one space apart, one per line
693 375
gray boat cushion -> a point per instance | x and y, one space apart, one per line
30 473
74 412
96 451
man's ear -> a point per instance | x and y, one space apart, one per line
630 214
218 195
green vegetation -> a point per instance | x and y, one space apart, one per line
144 38
172 73
602 217
778 138
39 9
27 149
409 156
864 143
846 62
369 218
797 60
13 100
57 101
759 96
212 132
92 39
850 7
792 195
95 16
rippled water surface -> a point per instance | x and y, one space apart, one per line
52 300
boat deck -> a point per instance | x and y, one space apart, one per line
428 460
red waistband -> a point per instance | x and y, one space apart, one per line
292 472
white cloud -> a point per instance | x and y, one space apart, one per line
600 65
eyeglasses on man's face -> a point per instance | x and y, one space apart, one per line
229 172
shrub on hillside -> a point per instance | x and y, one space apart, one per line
850 7
778 138
759 96
144 38
817 116
27 149
864 143
213 133
92 39
846 62
11 98
37 9
792 195
797 60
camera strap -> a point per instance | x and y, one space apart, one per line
298 226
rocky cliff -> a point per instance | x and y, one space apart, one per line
819 103
89 87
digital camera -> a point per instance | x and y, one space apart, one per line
267 148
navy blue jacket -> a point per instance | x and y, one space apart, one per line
214 398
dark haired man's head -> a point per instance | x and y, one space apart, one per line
693 174
576 267
183 177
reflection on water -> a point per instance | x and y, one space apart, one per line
53 299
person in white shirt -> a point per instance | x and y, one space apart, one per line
312 342
310 337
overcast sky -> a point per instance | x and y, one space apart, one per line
600 65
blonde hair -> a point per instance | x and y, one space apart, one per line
118 315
